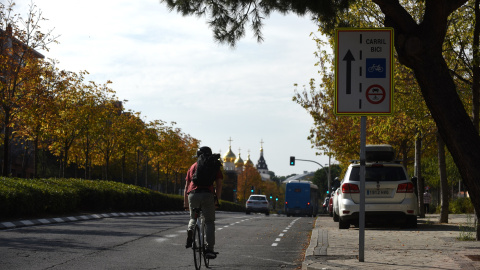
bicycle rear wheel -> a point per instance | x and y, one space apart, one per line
197 248
205 259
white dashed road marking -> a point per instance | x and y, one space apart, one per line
282 234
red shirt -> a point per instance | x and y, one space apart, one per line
190 185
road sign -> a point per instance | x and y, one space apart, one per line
375 94
363 71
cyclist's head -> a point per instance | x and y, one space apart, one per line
204 150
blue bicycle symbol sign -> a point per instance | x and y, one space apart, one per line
375 94
377 68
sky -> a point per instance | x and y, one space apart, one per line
169 67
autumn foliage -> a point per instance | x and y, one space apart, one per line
56 123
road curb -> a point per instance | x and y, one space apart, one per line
318 247
45 221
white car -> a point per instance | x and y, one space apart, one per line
257 203
389 195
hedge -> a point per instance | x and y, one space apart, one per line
46 197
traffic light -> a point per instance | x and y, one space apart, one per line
276 198
328 191
292 161
252 189
271 197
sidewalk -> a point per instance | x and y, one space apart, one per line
430 246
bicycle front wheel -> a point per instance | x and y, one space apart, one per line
205 259
197 248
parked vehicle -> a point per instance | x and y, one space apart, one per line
257 203
301 198
330 205
335 205
389 195
325 205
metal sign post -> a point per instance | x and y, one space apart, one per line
361 217
363 86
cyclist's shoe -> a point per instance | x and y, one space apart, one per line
210 254
189 239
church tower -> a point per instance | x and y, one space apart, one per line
262 167
229 158
239 163
248 162
229 188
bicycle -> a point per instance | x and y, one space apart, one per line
198 245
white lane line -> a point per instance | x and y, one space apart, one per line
282 234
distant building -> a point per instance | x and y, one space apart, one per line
229 188
262 167
233 166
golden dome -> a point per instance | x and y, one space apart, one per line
248 162
239 161
229 156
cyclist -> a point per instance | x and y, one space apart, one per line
204 198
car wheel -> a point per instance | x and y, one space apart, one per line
343 224
335 216
247 212
267 213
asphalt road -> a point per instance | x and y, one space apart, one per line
244 241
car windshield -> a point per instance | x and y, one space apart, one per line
378 174
257 198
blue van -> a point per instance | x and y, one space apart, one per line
301 198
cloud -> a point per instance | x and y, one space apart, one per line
169 67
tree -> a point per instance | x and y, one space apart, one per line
246 179
32 121
129 129
320 178
19 62
419 46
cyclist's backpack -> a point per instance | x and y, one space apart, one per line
207 169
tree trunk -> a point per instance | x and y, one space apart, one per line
6 143
158 176
87 157
123 167
107 165
418 174
419 47
476 67
476 83
146 172
450 116
442 170
35 157
404 153
137 164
